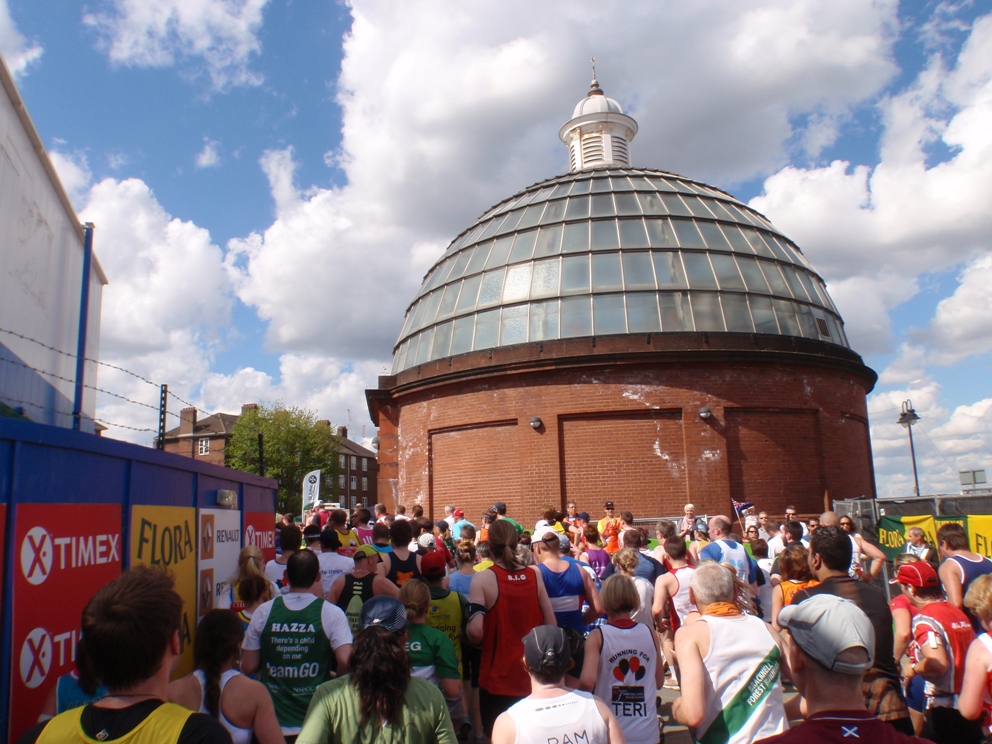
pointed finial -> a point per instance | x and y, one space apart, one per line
594 89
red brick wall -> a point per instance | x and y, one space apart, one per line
634 457
789 441
477 465
600 424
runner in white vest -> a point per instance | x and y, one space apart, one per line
622 663
730 665
554 712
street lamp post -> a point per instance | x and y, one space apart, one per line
907 418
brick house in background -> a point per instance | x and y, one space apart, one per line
203 439
356 483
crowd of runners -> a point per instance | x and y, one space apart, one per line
395 628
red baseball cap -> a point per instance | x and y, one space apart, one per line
432 564
918 573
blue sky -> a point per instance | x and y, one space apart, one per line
270 179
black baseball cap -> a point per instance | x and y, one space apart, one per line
386 612
547 649
608 505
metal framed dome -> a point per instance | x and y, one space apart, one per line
614 251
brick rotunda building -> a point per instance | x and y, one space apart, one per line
623 334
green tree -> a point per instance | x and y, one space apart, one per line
294 444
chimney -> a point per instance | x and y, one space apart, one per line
245 407
324 422
343 432
187 421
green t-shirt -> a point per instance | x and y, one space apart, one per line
432 654
335 713
516 525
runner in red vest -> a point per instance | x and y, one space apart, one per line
507 600
942 634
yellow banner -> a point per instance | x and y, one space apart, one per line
980 533
165 536
892 532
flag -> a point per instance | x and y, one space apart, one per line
740 506
311 490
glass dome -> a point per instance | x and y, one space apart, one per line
614 251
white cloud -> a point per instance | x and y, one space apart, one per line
962 324
165 274
166 307
217 38
208 157
166 314
18 52
450 107
333 388
946 442
908 368
74 172
873 231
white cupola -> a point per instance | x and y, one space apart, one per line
599 132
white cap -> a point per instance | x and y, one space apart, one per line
825 626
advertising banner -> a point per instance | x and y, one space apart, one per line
165 536
219 545
63 554
311 490
980 534
260 531
892 532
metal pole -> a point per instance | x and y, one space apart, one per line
261 454
163 404
84 313
912 452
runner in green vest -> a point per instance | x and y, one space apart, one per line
291 640
351 591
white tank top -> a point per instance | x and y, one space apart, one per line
737 557
743 664
627 664
645 590
569 717
855 570
683 606
238 735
